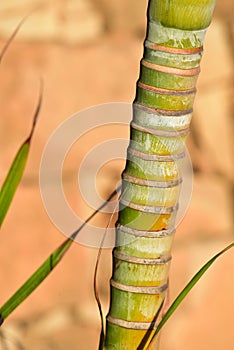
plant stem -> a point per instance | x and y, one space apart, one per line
151 180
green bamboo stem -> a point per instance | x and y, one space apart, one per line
151 180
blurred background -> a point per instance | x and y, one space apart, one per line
88 53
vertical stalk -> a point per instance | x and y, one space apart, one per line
151 180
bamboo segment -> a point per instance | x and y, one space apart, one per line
151 180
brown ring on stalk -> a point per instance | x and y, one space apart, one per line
164 259
153 290
159 132
149 208
146 234
161 91
151 183
173 50
163 112
155 157
131 325
171 70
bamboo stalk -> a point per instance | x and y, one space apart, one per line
151 180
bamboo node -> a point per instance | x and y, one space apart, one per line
147 234
163 112
160 210
171 70
153 290
161 91
131 325
173 50
151 183
156 157
159 132
162 260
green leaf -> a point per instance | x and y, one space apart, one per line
45 269
33 282
185 291
17 168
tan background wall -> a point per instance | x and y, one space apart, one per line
88 53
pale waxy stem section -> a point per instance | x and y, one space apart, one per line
151 180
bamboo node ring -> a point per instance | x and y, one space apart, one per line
152 209
131 325
148 234
156 157
151 183
159 132
173 50
162 260
171 70
162 112
153 290
161 91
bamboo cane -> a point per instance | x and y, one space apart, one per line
151 180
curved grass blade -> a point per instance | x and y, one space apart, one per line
95 285
12 37
33 281
186 290
97 298
17 168
95 288
45 269
147 335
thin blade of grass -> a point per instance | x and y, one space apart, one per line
97 298
12 37
95 285
95 288
17 168
45 269
186 290
147 335
162 310
33 282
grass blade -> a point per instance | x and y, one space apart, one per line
95 288
95 284
97 298
17 168
186 290
33 282
45 269
12 37
147 335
